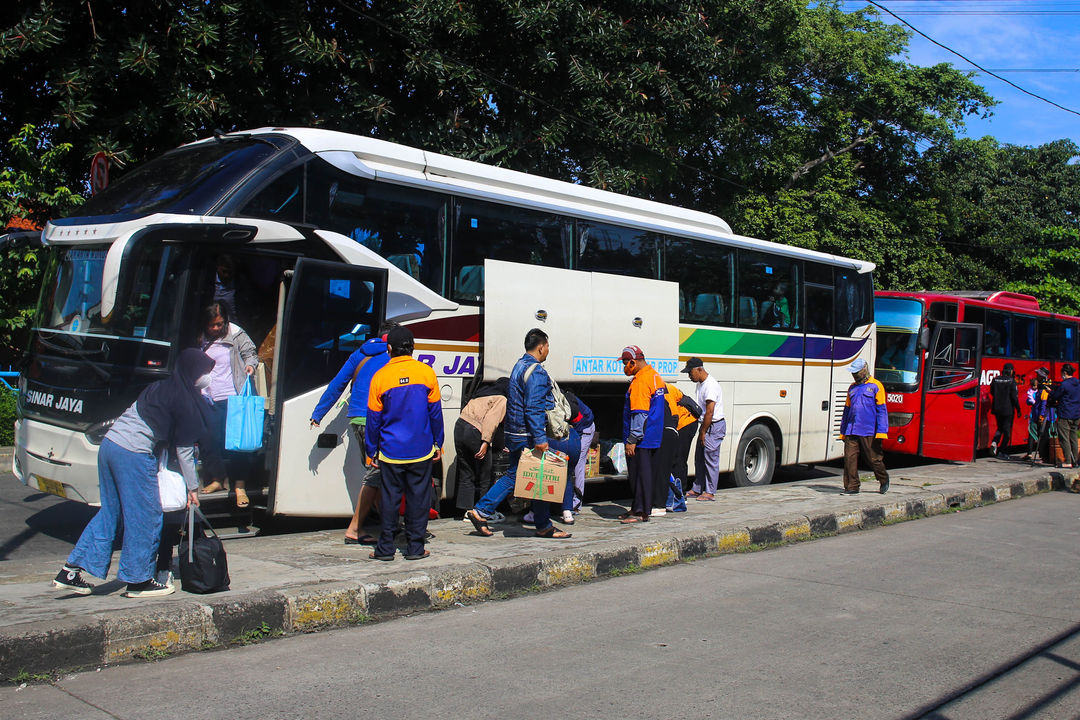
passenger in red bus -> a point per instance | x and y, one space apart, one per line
1065 398
643 429
358 371
235 359
864 425
1005 405
404 437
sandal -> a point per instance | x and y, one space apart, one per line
553 533
362 540
421 556
384 558
213 487
479 523
242 499
635 519
692 494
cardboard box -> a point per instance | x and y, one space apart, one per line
592 463
540 478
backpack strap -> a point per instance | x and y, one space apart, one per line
360 365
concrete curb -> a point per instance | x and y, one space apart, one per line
151 632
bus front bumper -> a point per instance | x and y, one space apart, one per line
56 460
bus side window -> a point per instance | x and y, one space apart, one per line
768 288
703 271
282 199
854 300
996 334
618 250
1022 343
485 230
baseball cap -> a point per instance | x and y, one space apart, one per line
632 352
691 364
400 338
857 366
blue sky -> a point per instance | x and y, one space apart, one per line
1004 35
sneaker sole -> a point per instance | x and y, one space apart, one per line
72 588
149 593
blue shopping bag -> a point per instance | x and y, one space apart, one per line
676 500
244 420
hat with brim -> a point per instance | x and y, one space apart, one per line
691 364
857 366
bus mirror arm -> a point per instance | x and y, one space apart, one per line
924 338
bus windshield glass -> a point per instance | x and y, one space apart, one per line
190 180
145 308
898 358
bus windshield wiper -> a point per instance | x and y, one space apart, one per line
76 354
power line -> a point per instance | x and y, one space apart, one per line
969 60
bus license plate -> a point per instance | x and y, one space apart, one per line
51 486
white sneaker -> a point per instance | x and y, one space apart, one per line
658 512
993 448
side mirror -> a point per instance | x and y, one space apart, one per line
924 338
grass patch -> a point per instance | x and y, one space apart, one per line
258 634
152 654
628 570
361 618
30 678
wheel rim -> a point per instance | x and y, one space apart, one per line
756 461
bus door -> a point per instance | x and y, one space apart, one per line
950 403
815 436
329 310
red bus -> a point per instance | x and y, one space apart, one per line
938 352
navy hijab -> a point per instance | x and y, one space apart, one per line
174 408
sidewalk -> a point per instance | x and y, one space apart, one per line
308 581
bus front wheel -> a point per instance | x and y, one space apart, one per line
755 460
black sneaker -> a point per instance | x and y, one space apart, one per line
850 492
884 487
149 588
70 578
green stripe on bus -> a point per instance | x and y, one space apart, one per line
730 342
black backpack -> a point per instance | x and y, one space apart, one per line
204 567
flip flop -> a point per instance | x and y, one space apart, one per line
553 533
384 558
479 523
634 519
213 487
426 553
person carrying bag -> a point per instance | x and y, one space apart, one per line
204 567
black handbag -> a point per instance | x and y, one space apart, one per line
204 567
691 405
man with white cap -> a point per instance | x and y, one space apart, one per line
864 425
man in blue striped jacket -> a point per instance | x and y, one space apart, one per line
864 425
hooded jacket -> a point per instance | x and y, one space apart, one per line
377 350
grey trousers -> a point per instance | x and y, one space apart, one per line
707 458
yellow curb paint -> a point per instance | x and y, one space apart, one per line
656 554
329 609
165 641
470 588
935 505
732 540
1003 493
567 570
896 511
798 530
850 520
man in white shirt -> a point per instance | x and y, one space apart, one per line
710 435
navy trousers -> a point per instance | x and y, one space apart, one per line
413 481
639 467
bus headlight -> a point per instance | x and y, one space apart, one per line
900 419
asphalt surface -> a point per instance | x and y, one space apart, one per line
954 616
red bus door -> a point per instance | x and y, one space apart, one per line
951 392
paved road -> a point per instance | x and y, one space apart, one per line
955 616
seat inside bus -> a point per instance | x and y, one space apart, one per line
748 314
469 283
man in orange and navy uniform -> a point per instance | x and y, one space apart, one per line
864 425
404 437
644 414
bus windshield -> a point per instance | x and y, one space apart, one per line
71 301
899 356
191 180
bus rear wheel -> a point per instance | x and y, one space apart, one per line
755 459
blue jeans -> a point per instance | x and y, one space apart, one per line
571 445
504 486
129 491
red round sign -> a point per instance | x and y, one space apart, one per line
99 173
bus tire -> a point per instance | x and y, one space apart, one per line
755 459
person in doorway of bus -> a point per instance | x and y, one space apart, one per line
1065 399
358 370
474 435
525 426
584 422
864 425
235 359
711 434
404 437
1005 404
169 414
643 430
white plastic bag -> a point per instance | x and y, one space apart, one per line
617 453
171 486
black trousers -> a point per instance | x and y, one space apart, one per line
1003 435
665 460
473 476
680 468
413 482
640 469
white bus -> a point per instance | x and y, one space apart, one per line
329 233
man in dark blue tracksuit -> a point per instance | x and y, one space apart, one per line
1065 398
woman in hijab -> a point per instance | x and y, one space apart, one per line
168 414
473 434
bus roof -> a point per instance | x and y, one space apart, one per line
1000 299
391 162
